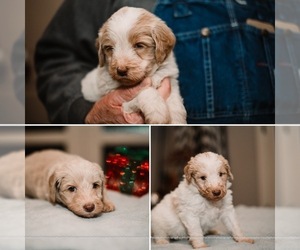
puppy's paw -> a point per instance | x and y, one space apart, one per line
158 118
244 239
156 81
108 207
133 118
130 107
198 244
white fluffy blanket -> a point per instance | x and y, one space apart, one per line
12 224
55 227
256 223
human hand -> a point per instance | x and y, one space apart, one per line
109 108
165 88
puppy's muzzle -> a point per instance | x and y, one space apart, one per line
122 71
213 194
89 207
216 193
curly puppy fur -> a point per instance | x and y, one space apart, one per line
134 44
67 179
198 203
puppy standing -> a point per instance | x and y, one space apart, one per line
67 179
197 204
132 45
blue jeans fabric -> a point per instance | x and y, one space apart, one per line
226 66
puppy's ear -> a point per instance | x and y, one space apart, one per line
54 185
188 171
101 55
164 41
108 206
227 167
101 177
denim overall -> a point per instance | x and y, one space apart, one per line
226 66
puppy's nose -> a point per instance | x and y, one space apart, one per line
122 71
89 207
216 193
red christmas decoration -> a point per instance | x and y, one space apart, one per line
127 171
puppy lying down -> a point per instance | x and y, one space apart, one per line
134 44
67 179
198 203
12 173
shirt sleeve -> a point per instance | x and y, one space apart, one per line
65 53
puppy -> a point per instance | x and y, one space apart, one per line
198 203
12 175
67 179
132 45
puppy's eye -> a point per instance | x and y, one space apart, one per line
108 48
203 178
72 189
95 185
221 174
139 46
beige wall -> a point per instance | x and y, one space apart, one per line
287 166
38 15
251 156
241 152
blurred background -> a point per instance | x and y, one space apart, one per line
249 150
287 62
38 15
90 142
11 139
12 62
287 212
12 204
287 166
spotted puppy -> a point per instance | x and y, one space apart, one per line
67 179
198 203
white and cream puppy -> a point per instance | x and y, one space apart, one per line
132 45
195 207
12 175
67 179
